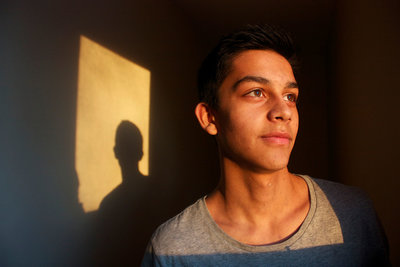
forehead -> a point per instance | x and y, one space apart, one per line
263 63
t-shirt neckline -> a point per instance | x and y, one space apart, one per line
285 244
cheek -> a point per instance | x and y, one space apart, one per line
241 121
234 128
295 124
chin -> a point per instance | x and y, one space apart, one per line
276 164
276 168
269 165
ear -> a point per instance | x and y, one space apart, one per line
206 118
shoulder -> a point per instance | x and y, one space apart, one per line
335 188
348 204
179 233
353 208
344 197
359 223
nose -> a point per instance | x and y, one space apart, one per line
280 111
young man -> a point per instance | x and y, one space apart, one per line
261 214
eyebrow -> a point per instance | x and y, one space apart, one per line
256 79
262 80
292 85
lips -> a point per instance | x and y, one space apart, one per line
279 138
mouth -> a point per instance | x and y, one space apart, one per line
277 138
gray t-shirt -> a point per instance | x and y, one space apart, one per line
340 229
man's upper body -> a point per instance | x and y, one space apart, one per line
340 229
248 94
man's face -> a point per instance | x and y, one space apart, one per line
257 118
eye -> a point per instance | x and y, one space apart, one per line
290 97
256 93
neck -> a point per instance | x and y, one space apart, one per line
258 207
253 195
129 170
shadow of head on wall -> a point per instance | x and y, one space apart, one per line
128 150
127 216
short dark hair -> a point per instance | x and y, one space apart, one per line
218 63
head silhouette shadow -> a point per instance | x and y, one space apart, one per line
123 223
128 150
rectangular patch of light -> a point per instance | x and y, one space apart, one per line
111 89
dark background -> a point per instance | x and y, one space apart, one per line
349 129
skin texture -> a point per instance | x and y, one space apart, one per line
257 201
